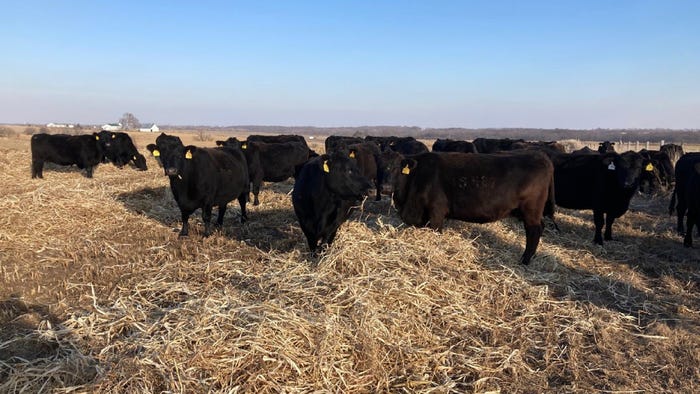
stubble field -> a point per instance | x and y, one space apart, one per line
98 294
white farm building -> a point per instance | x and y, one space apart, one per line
112 126
153 128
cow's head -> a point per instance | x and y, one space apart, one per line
401 174
232 142
342 177
606 146
140 162
390 162
626 168
170 153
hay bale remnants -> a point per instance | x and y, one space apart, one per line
98 294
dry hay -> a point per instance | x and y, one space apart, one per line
99 295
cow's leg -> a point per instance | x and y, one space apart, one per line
220 217
609 219
533 232
598 220
329 236
688 240
185 225
311 239
680 212
437 213
37 169
89 171
378 187
242 199
206 218
256 192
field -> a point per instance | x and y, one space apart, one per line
98 294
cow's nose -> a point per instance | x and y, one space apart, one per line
171 171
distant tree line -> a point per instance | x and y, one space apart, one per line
530 134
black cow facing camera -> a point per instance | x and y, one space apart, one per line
604 183
325 190
202 178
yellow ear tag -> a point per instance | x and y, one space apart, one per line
244 146
325 166
156 153
352 154
97 137
649 167
406 170
188 155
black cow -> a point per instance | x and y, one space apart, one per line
408 146
692 197
384 142
271 162
448 145
202 178
585 151
604 183
545 146
403 145
325 190
492 145
256 173
674 152
85 151
683 172
368 159
606 147
120 150
335 142
658 170
276 139
481 188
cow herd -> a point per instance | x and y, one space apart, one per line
480 181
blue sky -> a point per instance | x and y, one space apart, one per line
568 64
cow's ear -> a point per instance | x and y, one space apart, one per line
697 168
153 149
609 163
408 165
189 151
220 143
612 143
325 160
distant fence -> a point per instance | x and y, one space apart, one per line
623 146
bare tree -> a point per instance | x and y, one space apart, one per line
129 121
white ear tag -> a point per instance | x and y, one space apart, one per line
611 167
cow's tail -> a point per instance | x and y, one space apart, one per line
672 205
550 204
